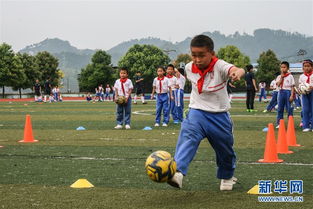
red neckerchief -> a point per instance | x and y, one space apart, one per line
202 73
308 75
284 76
160 83
123 80
169 76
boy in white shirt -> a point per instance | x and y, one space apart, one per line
208 115
123 87
307 99
285 83
162 89
179 94
172 82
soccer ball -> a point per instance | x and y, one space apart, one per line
160 166
121 100
304 88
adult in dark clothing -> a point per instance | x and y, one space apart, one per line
251 88
47 86
37 90
139 91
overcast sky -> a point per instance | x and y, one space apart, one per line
103 24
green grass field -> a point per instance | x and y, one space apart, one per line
39 175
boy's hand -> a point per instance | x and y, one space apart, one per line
152 96
236 73
172 98
291 98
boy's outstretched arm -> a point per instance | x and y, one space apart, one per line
236 73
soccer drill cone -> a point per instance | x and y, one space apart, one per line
270 152
291 135
82 183
28 131
282 147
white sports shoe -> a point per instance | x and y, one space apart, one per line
127 126
156 125
118 127
277 126
164 125
176 180
227 184
306 130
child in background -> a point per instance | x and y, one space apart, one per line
179 96
208 115
51 98
123 87
161 88
107 92
170 71
273 102
262 86
285 82
139 88
307 99
88 97
37 90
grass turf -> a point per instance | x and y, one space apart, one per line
39 175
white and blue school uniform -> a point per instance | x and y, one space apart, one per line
162 90
307 102
107 93
123 112
284 95
179 97
209 118
262 87
172 82
273 101
101 93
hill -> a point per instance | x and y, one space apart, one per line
286 45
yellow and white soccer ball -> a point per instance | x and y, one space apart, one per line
304 88
160 166
121 100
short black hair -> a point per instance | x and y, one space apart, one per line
138 71
181 71
202 41
249 67
308 61
170 65
285 63
124 69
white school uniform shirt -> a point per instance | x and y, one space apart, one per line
289 82
127 85
274 85
172 82
164 83
303 78
107 90
262 85
214 97
181 81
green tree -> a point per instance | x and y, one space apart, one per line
17 77
47 65
182 58
6 65
27 64
99 71
232 54
146 59
268 65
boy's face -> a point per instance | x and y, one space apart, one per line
160 72
283 68
37 81
170 70
307 68
138 74
201 56
123 74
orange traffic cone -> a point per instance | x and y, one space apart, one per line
291 135
28 131
270 153
282 147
